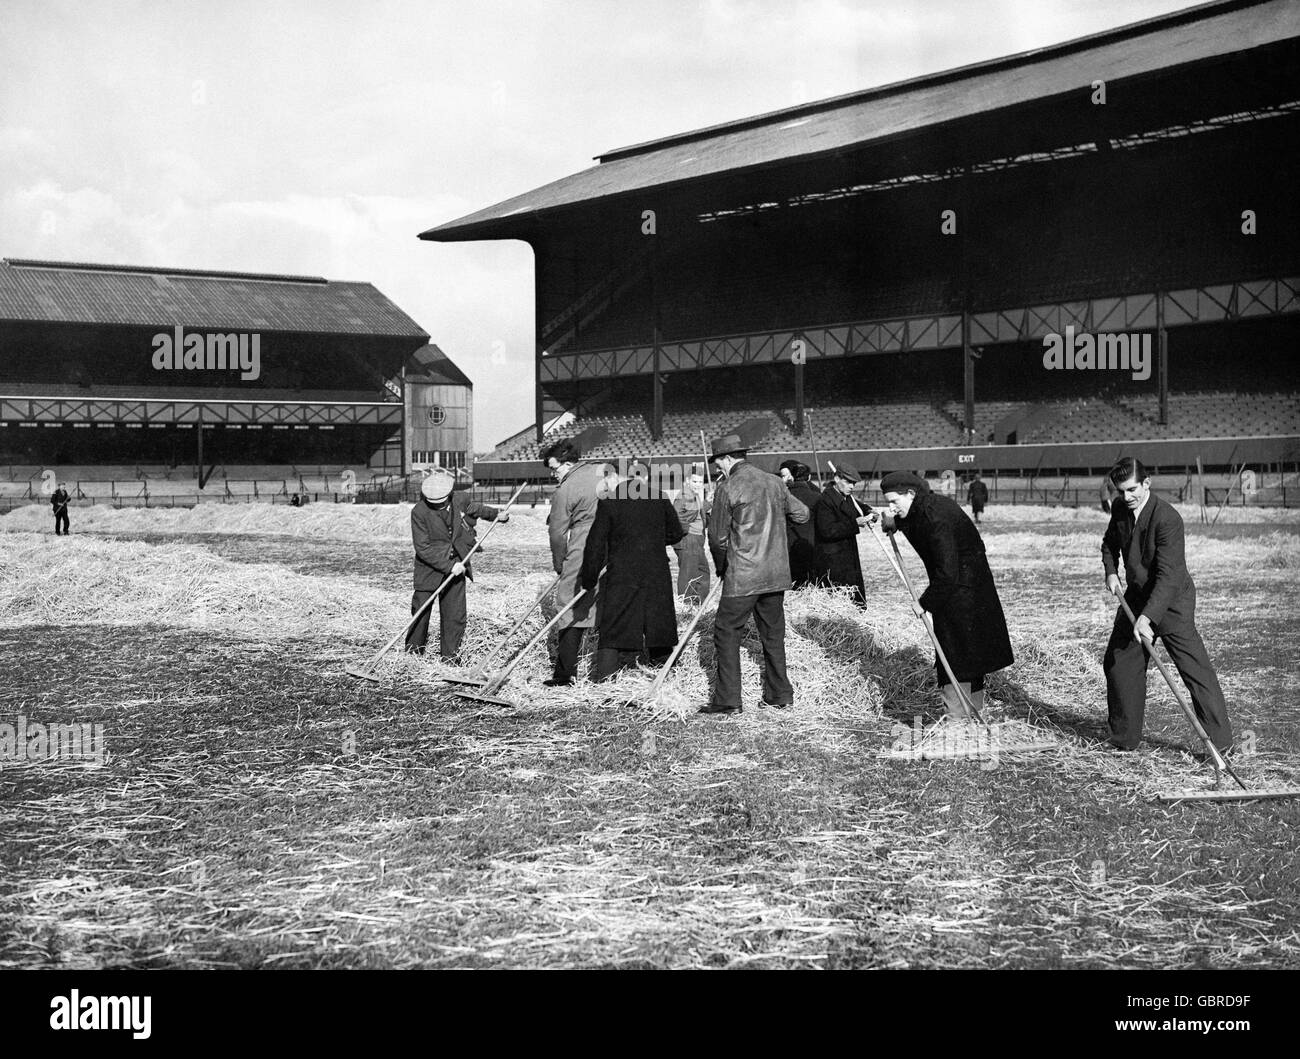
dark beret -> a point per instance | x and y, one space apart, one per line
901 481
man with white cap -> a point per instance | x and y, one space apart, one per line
442 530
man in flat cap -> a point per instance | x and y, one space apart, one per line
802 535
573 508
443 533
747 537
1145 535
692 510
838 518
961 598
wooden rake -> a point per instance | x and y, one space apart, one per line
896 562
1221 792
366 671
488 693
476 676
652 696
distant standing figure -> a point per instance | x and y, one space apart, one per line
59 502
977 494
692 510
802 535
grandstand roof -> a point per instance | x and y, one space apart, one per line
72 292
1197 34
431 364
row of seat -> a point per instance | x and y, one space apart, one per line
920 423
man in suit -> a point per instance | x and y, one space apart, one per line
573 508
692 510
838 519
442 531
747 537
802 535
1146 536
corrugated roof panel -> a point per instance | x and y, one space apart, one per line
878 114
54 292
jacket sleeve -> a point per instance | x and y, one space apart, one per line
1169 570
484 511
795 509
436 554
719 523
1110 549
557 525
597 547
946 567
673 529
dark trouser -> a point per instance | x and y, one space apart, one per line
975 510
568 646
803 562
61 519
768 609
451 620
609 660
693 579
942 674
1125 665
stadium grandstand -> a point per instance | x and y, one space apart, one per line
163 385
882 273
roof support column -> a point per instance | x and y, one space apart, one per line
1162 357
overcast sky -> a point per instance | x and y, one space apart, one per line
321 137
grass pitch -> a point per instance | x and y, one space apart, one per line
259 809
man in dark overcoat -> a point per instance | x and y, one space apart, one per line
442 531
977 495
961 598
1145 535
838 518
638 618
59 502
802 535
747 538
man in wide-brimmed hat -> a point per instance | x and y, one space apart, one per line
442 531
838 518
802 535
961 598
747 537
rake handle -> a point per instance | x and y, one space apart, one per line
716 590
445 582
928 622
495 684
1216 757
479 668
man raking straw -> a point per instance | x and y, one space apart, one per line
967 618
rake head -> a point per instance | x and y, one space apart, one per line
476 682
1229 795
362 673
479 696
